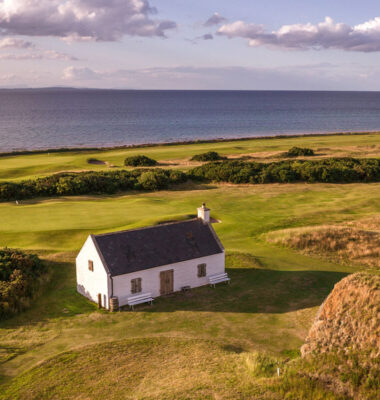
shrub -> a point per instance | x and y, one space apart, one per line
102 182
300 151
153 180
20 275
139 161
209 156
333 170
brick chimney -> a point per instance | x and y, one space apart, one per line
204 213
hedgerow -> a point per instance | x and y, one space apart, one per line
104 182
333 170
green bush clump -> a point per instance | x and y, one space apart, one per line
153 180
139 161
300 151
332 170
209 156
20 278
102 182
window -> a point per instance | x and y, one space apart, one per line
90 265
136 285
201 270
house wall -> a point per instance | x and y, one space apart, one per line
91 283
185 274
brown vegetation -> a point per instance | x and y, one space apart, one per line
356 241
349 319
342 349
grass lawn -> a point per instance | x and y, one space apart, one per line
198 345
35 165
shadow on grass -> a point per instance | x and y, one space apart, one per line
254 291
186 186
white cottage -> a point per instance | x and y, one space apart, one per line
149 262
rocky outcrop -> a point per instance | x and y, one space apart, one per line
349 319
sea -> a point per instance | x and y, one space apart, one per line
32 119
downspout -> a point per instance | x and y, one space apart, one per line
111 286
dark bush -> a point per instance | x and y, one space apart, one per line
139 161
153 180
20 277
300 151
209 156
102 182
333 170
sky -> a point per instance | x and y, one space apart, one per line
191 44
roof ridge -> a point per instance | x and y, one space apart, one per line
146 227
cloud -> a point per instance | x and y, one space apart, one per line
102 20
324 35
80 73
9 42
322 76
215 19
207 36
39 55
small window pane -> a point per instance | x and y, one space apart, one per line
90 265
136 285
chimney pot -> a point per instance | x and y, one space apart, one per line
204 213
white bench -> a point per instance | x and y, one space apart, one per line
218 278
139 299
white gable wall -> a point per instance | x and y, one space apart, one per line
91 283
185 274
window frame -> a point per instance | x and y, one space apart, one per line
91 265
202 270
136 285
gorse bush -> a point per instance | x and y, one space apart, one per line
299 151
139 161
333 170
20 276
104 182
209 156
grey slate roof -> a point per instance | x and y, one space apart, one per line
138 249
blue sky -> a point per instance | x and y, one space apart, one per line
167 44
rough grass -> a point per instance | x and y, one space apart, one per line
37 165
161 368
357 241
232 334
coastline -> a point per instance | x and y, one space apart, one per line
176 143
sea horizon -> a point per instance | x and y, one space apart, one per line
54 118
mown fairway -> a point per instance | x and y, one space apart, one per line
35 165
269 307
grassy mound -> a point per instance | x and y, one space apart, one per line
343 345
357 241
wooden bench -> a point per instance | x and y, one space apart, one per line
218 278
139 299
